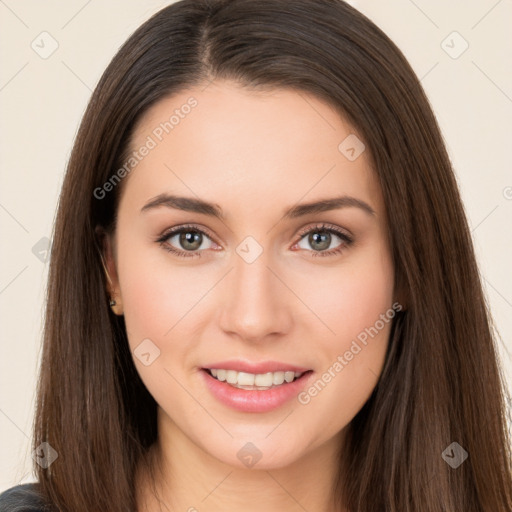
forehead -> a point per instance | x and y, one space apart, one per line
250 150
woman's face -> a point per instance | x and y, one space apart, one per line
261 287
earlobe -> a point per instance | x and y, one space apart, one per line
108 265
115 301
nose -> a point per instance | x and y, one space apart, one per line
256 304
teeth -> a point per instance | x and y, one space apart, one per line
264 379
231 376
277 378
245 379
289 376
260 381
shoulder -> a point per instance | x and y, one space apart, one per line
22 498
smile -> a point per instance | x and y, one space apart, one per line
257 390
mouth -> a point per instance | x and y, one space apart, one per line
255 381
255 387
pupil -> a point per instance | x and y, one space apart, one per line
322 240
191 237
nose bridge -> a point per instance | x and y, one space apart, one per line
254 305
253 280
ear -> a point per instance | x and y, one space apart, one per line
106 244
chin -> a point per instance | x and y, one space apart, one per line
255 453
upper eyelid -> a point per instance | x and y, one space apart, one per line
178 229
325 226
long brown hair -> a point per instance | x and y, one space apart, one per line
441 382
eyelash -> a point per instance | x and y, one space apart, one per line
323 227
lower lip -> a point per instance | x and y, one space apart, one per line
247 400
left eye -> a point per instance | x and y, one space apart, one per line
320 240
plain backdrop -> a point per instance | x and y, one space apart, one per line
461 51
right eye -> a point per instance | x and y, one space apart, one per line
185 241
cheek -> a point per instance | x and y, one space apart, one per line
357 306
160 302
352 297
157 295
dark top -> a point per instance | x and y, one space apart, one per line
22 498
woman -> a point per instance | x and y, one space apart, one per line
262 290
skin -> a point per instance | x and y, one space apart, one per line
253 154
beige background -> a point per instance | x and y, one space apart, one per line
42 100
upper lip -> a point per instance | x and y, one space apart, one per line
256 367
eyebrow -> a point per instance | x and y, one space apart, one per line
195 205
